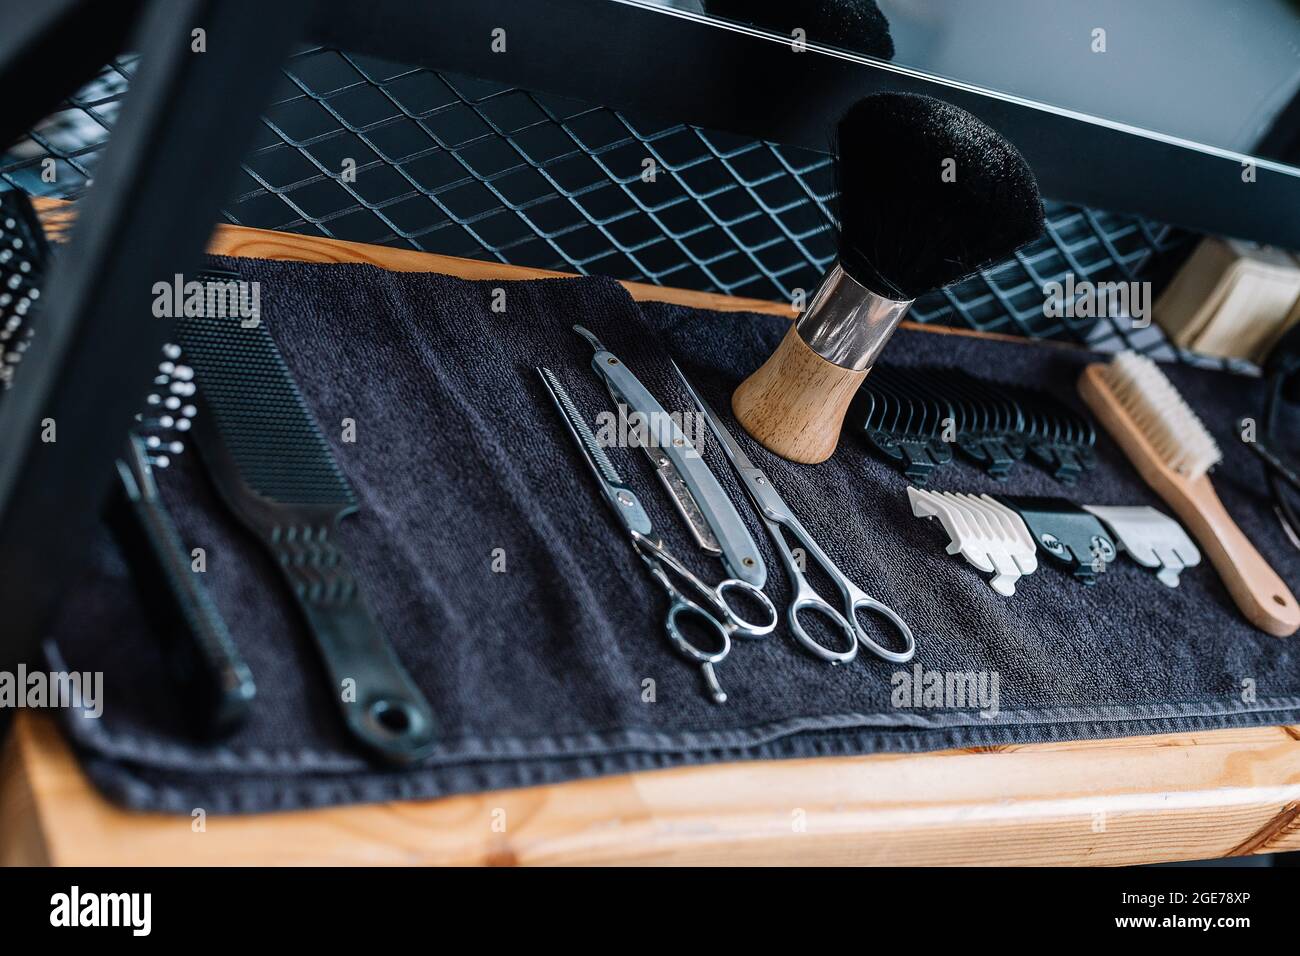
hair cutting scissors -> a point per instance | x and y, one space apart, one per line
776 516
709 607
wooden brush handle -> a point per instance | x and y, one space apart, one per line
1262 596
795 402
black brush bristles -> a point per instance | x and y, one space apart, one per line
929 195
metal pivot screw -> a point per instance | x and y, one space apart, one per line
1102 548
611 361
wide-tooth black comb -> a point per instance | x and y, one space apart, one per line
24 256
215 684
274 470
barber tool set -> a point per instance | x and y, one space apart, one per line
710 609
905 228
711 517
913 417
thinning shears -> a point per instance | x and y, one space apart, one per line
710 608
776 515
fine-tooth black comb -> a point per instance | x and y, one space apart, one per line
215 685
274 470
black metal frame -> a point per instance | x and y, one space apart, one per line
736 79
466 167
173 155
49 49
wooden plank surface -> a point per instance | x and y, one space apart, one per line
1136 800
1132 800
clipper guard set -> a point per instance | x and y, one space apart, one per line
915 416
1004 534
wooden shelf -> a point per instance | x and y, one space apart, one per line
1124 801
1135 800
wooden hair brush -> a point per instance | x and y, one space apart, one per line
1173 452
928 195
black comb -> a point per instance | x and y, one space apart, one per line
274 470
24 256
215 684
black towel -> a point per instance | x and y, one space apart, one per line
519 608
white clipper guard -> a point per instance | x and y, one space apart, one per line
985 532
1152 539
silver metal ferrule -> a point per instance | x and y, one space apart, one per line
848 324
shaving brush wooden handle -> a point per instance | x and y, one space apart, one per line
794 404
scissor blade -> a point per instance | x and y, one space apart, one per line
620 497
770 504
729 444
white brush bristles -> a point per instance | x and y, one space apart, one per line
1168 423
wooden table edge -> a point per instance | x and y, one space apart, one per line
1117 801
1104 802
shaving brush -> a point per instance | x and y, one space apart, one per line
928 196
